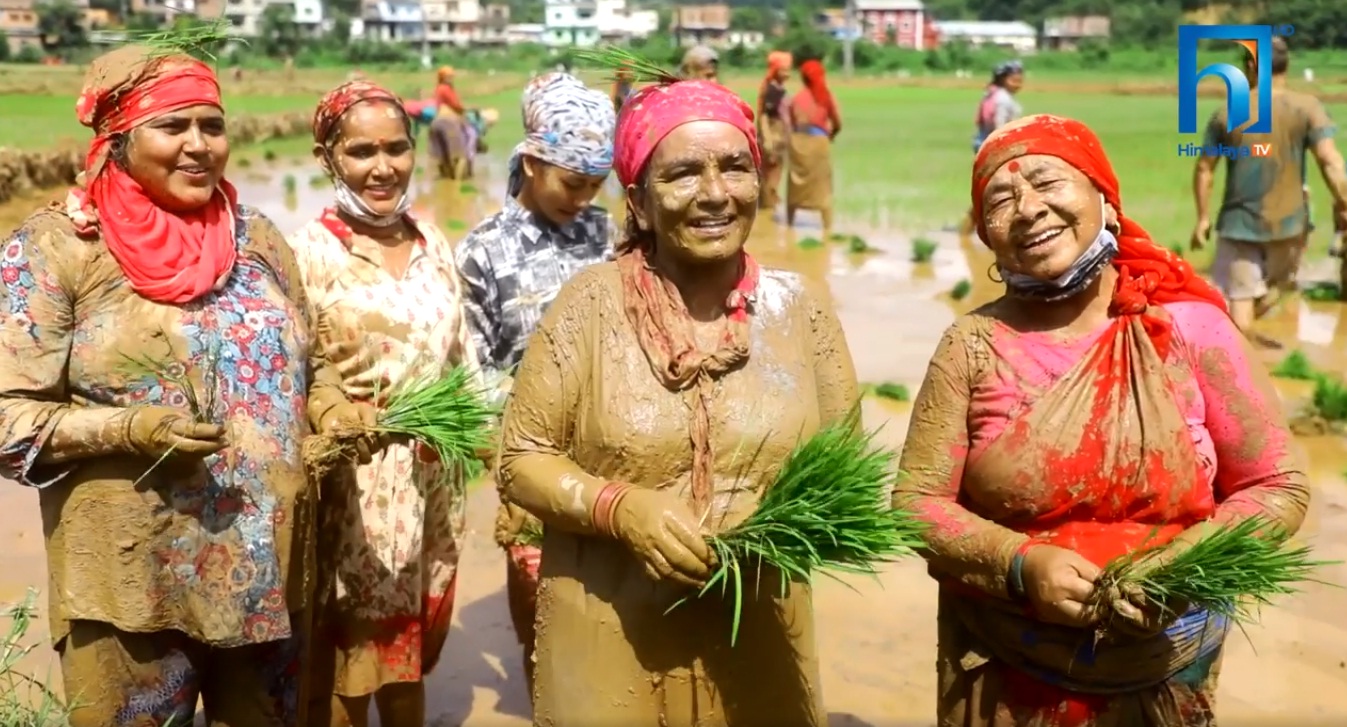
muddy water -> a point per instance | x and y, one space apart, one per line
878 640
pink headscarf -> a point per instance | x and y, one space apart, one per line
649 114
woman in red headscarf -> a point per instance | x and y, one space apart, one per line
773 131
154 377
388 310
647 411
815 123
1106 402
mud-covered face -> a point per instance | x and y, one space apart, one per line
700 195
179 158
372 154
561 194
1041 214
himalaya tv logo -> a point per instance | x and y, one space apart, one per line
1239 101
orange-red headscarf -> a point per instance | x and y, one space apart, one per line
777 61
1148 274
814 80
168 257
652 112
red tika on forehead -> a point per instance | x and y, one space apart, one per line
652 112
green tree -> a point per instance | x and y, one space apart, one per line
61 26
277 33
4 47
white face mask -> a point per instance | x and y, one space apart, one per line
350 203
1082 272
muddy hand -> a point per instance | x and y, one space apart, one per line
1059 584
1201 233
662 533
1138 615
154 431
355 420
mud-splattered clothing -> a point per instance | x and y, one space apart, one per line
513 263
1020 437
206 548
774 138
151 680
392 530
810 180
1264 198
587 409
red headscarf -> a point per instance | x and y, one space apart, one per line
1148 274
777 61
168 257
814 80
340 100
652 112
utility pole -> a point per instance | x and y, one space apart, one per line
425 38
849 40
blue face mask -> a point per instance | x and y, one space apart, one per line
1084 271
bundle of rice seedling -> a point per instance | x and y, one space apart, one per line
450 414
1230 571
827 512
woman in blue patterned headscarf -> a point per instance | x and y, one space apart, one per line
515 261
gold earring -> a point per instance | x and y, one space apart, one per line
993 274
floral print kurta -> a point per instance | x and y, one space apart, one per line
395 525
210 548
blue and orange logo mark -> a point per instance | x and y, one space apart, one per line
1257 39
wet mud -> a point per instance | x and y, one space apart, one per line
876 637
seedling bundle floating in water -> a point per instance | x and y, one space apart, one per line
449 414
827 512
1230 571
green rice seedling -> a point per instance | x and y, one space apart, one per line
1322 291
961 289
856 245
1230 571
317 181
466 188
889 390
24 700
242 163
172 374
1330 398
530 534
1296 366
289 183
809 243
455 225
450 414
827 512
269 154
923 250
1176 248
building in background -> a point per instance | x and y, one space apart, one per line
902 23
619 22
571 23
245 16
702 25
1069 32
1013 35
493 28
390 21
19 23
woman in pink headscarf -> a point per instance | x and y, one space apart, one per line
647 412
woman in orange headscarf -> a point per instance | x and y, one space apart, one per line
1106 402
815 123
644 379
773 130
448 134
156 363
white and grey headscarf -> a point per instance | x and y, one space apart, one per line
566 124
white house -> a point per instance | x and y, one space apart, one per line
245 16
619 21
571 22
392 21
452 22
1014 34
525 33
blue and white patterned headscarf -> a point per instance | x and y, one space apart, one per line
566 124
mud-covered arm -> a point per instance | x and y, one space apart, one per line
302 275
1204 169
41 432
1258 470
1319 139
535 468
960 545
834 371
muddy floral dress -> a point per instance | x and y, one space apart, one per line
392 529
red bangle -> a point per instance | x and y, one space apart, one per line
602 513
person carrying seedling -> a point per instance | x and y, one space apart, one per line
386 300
1105 404
514 262
156 383
647 412
1262 223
